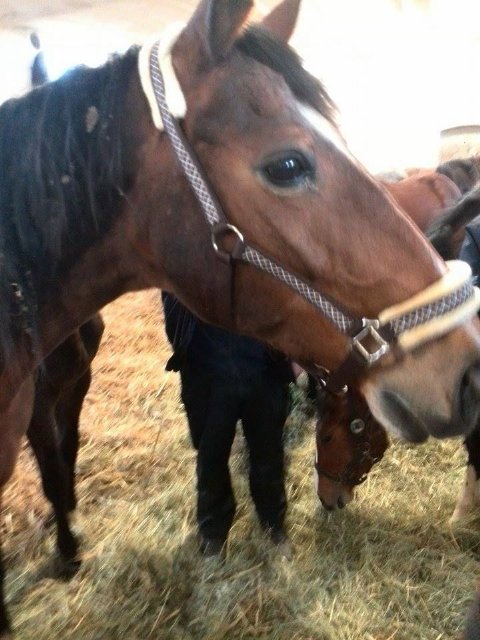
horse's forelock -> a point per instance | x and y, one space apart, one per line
258 44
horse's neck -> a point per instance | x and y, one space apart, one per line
106 262
107 270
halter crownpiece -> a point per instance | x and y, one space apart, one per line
431 313
161 47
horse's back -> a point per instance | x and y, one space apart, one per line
464 172
424 196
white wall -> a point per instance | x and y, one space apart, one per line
399 77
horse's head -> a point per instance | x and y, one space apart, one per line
264 133
349 441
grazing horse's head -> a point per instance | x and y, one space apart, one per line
349 441
264 134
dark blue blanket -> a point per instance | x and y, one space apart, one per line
216 350
470 251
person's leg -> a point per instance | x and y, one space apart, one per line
263 419
212 410
195 394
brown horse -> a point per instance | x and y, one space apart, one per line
349 441
101 193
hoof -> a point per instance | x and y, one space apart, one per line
462 512
48 523
282 544
65 569
456 516
284 550
468 499
276 534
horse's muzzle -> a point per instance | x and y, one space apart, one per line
406 423
416 425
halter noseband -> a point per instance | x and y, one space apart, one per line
348 476
435 311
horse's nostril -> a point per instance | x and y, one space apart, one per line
340 503
326 506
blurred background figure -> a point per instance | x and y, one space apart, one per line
225 378
38 74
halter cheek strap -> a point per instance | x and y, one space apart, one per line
161 47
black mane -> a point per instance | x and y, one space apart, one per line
62 173
260 45
60 168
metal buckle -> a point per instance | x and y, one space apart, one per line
370 329
221 231
321 376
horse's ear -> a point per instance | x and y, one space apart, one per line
208 36
225 19
281 21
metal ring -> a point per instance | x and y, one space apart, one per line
220 231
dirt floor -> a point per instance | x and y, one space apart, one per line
387 567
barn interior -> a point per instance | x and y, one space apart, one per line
390 566
399 70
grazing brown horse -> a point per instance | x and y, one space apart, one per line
349 441
103 190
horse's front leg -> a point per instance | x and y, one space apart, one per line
14 422
469 496
4 621
67 416
44 440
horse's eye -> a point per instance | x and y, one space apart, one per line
357 426
290 169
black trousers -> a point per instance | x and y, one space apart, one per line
214 403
